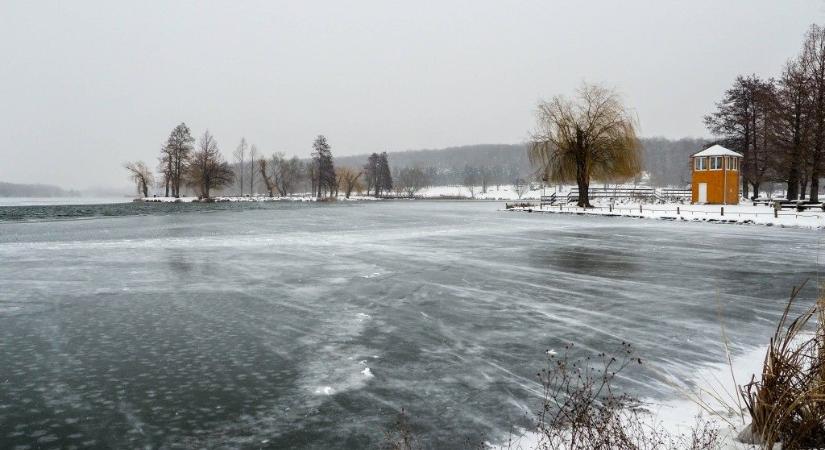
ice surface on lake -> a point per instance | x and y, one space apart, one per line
306 325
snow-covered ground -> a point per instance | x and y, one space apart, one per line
502 192
709 395
715 398
257 198
735 214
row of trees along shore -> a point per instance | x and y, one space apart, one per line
779 124
200 166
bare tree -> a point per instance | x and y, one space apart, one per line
285 173
270 184
793 132
240 155
521 187
311 170
410 180
176 154
812 63
593 137
141 176
165 168
349 180
470 180
207 169
745 119
484 176
253 153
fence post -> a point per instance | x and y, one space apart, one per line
723 210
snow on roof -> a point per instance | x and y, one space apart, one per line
717 150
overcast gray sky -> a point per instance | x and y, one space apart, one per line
87 85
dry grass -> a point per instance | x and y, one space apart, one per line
787 404
581 409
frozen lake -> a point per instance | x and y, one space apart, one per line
169 325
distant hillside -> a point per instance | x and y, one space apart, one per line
666 160
34 190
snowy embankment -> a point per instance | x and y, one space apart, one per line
257 198
732 214
711 395
501 192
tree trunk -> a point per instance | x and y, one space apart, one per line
582 172
251 175
755 189
744 186
793 182
803 187
814 197
584 192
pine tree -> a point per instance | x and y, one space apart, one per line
322 157
384 175
371 173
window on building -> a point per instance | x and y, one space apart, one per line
700 163
715 163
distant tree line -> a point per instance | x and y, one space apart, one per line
201 168
779 124
34 190
664 160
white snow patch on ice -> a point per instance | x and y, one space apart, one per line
324 390
372 275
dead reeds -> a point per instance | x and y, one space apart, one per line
787 403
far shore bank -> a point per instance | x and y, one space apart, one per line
724 214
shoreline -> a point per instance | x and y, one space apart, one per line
718 214
693 399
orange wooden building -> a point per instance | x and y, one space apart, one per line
715 176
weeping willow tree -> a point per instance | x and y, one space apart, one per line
592 136
141 175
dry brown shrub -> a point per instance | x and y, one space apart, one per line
787 403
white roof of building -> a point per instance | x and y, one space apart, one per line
717 150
